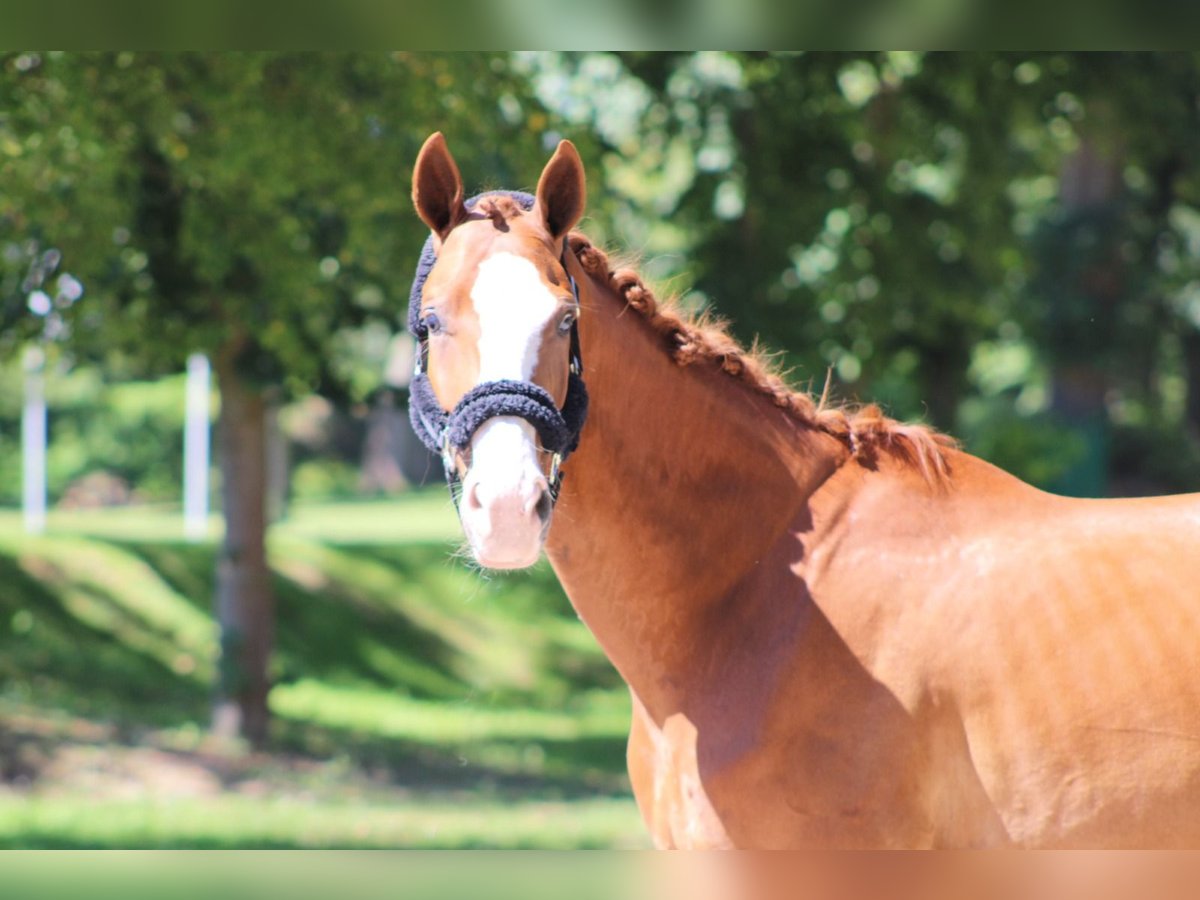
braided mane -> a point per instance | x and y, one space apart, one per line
865 430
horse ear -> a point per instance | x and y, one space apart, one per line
437 189
562 191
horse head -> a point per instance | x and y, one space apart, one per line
495 308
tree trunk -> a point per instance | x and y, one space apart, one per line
245 606
1090 185
942 383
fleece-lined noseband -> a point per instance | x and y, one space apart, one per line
449 433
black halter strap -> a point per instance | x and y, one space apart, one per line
449 433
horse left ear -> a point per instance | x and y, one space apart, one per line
437 190
562 190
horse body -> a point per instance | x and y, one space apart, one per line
822 652
845 639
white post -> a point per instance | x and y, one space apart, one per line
195 449
33 443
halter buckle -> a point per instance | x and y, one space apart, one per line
447 451
555 466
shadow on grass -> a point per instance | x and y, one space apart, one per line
342 629
528 604
49 653
338 628
331 629
527 592
45 839
537 767
329 635
325 632
188 569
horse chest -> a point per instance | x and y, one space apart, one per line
695 797
667 784
782 784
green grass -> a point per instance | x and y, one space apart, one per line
425 515
386 876
283 823
418 703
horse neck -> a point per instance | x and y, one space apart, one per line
683 479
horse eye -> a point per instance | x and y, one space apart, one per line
567 321
431 323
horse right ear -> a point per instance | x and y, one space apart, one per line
437 189
562 190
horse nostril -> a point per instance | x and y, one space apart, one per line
543 507
470 499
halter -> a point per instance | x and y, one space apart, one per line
450 433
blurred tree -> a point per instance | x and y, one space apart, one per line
856 209
957 235
1114 264
253 206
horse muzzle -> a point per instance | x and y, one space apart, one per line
506 502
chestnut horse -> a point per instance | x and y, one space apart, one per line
837 630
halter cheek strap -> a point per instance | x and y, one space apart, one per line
450 433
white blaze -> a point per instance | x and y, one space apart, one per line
513 306
505 481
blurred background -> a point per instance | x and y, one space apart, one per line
230 609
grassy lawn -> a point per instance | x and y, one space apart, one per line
419 516
418 703
279 823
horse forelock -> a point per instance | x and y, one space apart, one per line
500 208
692 340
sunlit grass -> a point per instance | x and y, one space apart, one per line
114 592
385 713
432 875
425 515
418 703
252 822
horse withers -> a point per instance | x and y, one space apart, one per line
837 630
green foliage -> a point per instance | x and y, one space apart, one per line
885 215
324 479
854 209
253 202
1034 448
882 214
1153 457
